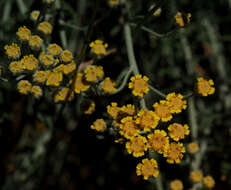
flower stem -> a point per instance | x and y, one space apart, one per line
157 91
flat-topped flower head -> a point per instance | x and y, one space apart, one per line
205 87
182 19
93 73
29 62
178 131
79 85
47 60
137 146
24 86
174 153
54 49
176 185
54 79
12 51
209 182
113 110
139 85
36 91
34 15
23 33
147 119
176 102
66 56
158 141
193 148
69 68
15 67
41 76
128 110
45 27
99 125
148 168
62 94
98 47
88 107
108 86
162 110
128 127
196 176
59 68
35 42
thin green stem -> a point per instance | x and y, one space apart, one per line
157 91
72 26
131 56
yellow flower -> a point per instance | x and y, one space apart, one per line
88 107
148 168
36 91
176 185
176 102
158 141
108 86
193 147
47 60
29 62
162 110
41 76
61 95
182 19
54 79
34 15
12 51
157 12
128 127
54 49
113 2
35 42
137 146
209 182
79 86
113 110
45 27
98 47
66 56
59 68
99 125
196 176
15 67
139 85
23 33
128 110
204 87
178 131
24 86
69 68
93 73
147 119
174 153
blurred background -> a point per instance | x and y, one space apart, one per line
38 153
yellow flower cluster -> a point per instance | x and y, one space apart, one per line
55 67
140 129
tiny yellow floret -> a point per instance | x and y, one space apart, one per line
54 49
196 176
47 60
162 110
41 76
66 56
108 86
175 102
139 85
15 67
148 168
34 15
45 27
29 62
54 79
24 86
98 47
137 146
12 51
23 33
205 87
178 131
174 153
193 147
182 19
176 185
209 182
99 125
35 42
36 91
62 94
